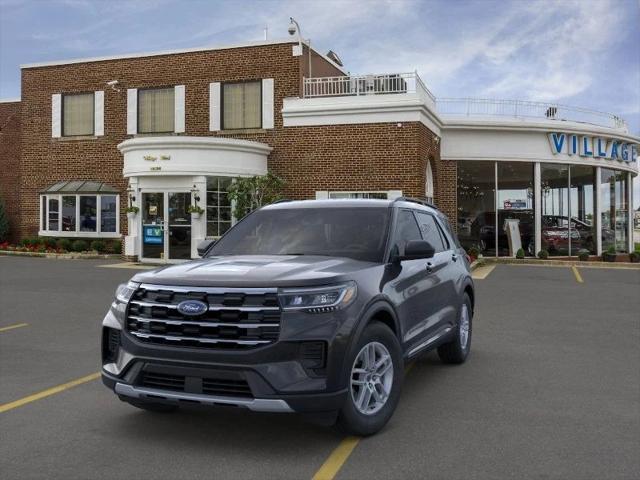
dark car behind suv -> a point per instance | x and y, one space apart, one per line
309 306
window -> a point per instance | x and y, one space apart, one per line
218 206
78 114
242 105
374 195
614 210
477 205
430 231
406 230
79 215
156 110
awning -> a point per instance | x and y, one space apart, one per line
80 186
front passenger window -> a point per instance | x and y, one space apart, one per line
430 231
406 230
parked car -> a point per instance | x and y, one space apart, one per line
310 306
483 228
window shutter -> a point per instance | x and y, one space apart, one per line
322 195
179 108
56 115
214 106
267 103
98 112
132 111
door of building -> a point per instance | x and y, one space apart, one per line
166 227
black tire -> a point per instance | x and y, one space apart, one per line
153 407
453 351
350 420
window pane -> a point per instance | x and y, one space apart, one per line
156 110
218 206
614 210
515 202
77 114
476 206
582 209
108 213
554 187
69 213
406 230
53 214
43 212
88 212
430 231
242 105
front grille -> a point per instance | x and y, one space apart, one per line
230 387
235 320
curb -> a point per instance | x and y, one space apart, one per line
62 256
561 263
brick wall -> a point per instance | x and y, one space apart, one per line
10 162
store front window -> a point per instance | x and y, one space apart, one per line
218 206
582 209
614 210
554 190
476 206
516 225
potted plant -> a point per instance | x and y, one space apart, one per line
132 211
520 254
610 255
473 253
543 254
583 255
195 211
635 256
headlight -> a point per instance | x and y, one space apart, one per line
318 299
125 291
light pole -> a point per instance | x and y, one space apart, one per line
294 28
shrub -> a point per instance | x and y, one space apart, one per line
79 246
635 256
98 245
473 252
250 193
583 255
543 254
48 242
4 222
520 253
64 244
115 246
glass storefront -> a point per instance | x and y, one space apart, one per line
567 208
614 210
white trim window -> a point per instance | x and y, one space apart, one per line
80 215
219 208
242 105
77 114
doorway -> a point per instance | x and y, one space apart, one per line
166 226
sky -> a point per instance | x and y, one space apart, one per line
578 52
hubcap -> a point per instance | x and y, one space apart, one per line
464 326
371 378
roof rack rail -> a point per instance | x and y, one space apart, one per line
414 200
282 200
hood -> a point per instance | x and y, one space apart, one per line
256 271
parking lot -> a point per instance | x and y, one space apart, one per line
551 390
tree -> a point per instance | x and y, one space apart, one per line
4 222
250 193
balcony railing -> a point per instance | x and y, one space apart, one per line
392 83
399 83
525 109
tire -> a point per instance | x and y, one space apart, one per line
378 338
153 407
457 350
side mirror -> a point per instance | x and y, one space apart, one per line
204 246
417 249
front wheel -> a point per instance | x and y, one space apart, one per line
375 381
457 350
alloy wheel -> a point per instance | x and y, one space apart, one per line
371 378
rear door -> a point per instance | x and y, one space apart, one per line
441 305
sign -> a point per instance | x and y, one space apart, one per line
595 147
152 234
515 204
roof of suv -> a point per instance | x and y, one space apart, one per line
352 203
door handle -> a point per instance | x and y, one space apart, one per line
429 267
454 257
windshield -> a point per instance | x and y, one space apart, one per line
358 233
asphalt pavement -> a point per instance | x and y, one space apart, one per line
551 390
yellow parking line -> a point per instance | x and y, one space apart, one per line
576 273
482 272
48 392
11 327
339 456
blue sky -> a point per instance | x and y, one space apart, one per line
583 52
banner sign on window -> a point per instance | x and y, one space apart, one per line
152 235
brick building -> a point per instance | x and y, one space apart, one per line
163 131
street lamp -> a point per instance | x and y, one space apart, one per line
294 28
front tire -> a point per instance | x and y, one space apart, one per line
457 350
374 383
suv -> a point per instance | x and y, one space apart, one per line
307 306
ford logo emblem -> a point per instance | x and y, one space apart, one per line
192 307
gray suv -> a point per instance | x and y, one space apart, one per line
308 306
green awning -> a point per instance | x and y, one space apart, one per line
80 186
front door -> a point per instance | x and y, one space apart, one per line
166 226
